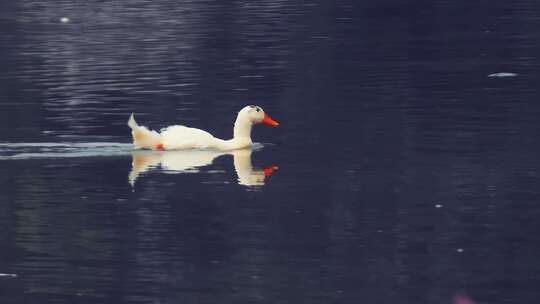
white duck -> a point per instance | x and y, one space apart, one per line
180 137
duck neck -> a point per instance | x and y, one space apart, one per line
242 128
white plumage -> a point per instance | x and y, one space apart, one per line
182 137
179 137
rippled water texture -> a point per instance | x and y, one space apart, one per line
405 168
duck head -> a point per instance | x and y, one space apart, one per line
256 115
247 117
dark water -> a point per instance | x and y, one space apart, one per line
408 164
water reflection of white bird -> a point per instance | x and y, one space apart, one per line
191 161
183 138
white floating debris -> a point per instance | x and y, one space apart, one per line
460 250
504 74
8 275
64 19
438 206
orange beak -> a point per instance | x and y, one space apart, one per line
267 120
269 170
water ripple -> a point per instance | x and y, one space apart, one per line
11 151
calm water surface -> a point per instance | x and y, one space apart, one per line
407 152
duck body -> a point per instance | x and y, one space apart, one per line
179 137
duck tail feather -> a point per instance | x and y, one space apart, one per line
131 122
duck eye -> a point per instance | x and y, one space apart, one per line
258 109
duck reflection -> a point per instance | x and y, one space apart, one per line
192 161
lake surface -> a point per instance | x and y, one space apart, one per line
405 168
